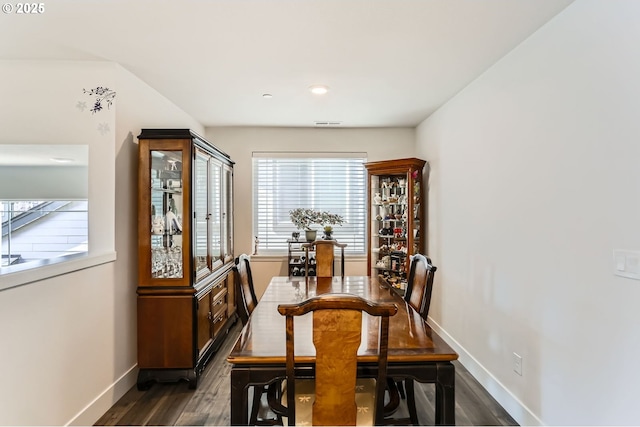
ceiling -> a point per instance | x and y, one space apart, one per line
387 63
58 155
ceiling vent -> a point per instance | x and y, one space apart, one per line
325 124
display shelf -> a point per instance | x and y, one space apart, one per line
296 259
395 214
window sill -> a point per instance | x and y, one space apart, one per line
11 277
283 257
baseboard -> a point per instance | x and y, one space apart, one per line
101 404
495 388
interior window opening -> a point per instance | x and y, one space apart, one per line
37 230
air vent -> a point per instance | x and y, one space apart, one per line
328 123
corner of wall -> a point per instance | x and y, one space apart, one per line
518 410
102 403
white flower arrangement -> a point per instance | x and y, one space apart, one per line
302 218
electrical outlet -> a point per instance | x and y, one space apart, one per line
517 363
626 264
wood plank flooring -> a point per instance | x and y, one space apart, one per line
174 404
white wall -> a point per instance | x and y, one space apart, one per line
534 182
69 342
39 105
43 182
240 143
53 332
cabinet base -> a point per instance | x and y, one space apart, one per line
148 376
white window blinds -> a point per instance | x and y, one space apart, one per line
333 182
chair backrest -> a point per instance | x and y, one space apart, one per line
337 332
420 284
324 257
246 295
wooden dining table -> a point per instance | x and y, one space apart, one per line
415 350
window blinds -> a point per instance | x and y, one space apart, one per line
333 182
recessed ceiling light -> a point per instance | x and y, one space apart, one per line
319 89
267 95
328 123
61 160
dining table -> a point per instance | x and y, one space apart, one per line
415 351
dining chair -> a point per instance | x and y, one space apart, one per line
420 284
244 288
418 296
332 393
246 303
324 256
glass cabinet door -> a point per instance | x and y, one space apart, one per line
210 218
215 209
389 229
415 197
166 215
375 217
227 213
201 263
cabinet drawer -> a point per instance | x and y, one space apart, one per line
219 291
219 299
219 318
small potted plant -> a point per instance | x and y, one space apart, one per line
303 218
327 221
328 231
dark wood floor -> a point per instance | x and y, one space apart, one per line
208 405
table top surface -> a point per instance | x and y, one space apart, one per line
262 340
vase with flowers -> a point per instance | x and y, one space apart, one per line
304 218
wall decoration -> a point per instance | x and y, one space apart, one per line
103 95
104 128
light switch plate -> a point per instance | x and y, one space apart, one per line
626 263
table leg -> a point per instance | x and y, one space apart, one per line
239 396
445 394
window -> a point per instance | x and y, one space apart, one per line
33 231
44 211
333 182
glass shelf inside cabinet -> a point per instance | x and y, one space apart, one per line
391 215
416 216
166 218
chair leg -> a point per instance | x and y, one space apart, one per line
258 391
400 385
397 388
257 396
411 401
394 397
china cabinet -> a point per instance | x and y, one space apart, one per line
186 298
395 220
